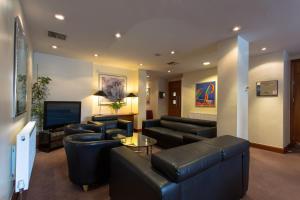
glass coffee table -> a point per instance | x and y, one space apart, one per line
137 141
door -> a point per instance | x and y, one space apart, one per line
174 98
295 102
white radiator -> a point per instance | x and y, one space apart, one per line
25 154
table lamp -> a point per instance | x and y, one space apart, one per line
100 94
131 95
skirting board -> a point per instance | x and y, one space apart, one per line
269 148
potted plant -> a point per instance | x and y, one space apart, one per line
117 105
40 92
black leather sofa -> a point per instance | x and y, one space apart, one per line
212 169
113 125
169 131
88 158
72 129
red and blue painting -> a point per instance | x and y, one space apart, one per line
206 94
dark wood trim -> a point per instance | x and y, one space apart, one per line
15 196
137 130
269 148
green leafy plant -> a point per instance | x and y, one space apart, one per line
40 92
117 105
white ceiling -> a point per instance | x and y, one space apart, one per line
159 26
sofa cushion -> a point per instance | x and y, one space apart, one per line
178 164
229 145
189 128
199 122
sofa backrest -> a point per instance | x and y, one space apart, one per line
199 122
181 163
109 121
184 127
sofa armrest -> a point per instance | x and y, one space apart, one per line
126 125
129 170
210 132
150 123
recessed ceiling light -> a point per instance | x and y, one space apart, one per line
59 17
264 48
148 76
141 64
118 35
54 47
96 55
236 28
206 63
172 52
169 71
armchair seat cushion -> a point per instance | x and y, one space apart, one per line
178 164
110 133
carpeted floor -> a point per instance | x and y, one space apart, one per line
272 176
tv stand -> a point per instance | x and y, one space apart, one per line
51 139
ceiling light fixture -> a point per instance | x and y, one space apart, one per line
54 47
59 17
141 64
118 35
206 63
148 76
169 71
96 55
264 48
236 28
172 52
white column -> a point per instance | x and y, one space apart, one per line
142 98
232 87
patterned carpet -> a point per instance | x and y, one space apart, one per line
272 176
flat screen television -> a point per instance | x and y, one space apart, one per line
60 113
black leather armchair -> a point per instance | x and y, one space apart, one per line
83 128
88 158
113 125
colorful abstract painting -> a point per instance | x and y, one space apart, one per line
206 94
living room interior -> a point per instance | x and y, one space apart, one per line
149 99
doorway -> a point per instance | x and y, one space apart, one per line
295 102
174 108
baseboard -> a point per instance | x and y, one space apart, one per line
269 148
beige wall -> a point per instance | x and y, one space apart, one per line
9 127
77 80
71 79
189 81
158 106
268 122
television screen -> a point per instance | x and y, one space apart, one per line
60 113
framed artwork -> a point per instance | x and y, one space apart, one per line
206 94
267 88
20 69
114 86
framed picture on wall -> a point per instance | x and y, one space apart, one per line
114 86
205 94
20 70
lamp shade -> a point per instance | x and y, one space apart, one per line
131 95
100 93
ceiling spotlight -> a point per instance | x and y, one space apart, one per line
59 17
169 71
172 52
54 47
264 48
148 76
141 64
118 35
96 55
206 63
236 28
